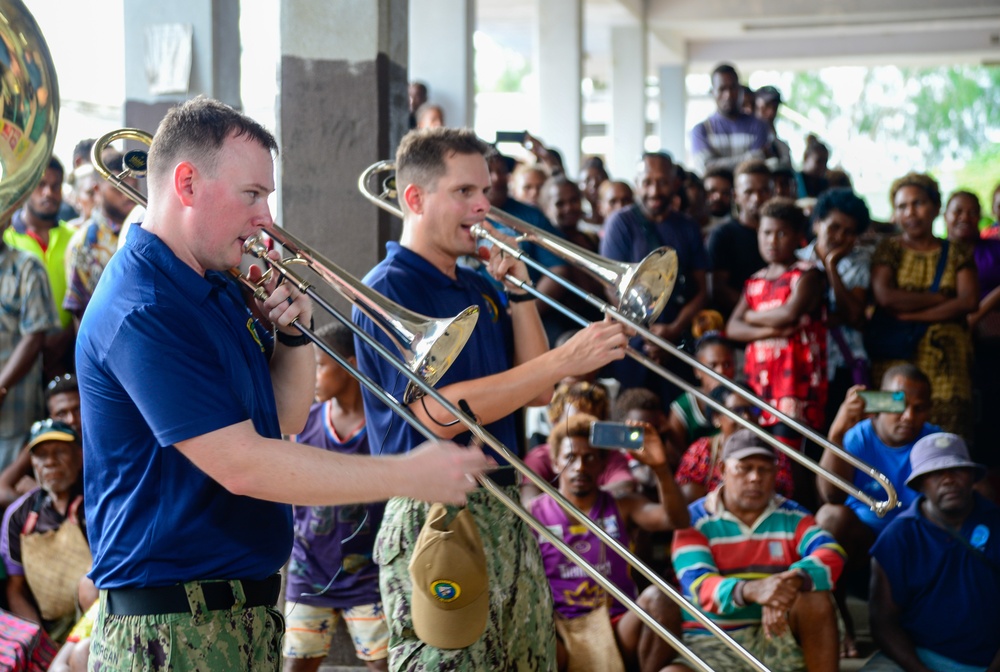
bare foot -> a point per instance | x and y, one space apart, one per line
847 647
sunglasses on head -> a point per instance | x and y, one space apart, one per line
66 377
51 424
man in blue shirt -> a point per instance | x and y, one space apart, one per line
185 397
443 182
632 233
935 601
884 441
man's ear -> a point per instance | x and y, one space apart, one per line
185 177
413 196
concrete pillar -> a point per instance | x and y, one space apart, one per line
673 104
559 64
342 105
162 36
442 55
628 99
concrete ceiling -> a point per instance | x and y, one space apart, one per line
773 34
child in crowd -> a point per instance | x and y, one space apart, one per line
700 471
331 574
688 419
780 317
570 399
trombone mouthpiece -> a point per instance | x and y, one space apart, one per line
255 246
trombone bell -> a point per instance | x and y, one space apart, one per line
427 345
436 346
646 287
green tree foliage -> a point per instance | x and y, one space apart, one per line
945 112
811 95
949 110
980 175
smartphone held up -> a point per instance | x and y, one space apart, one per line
616 435
877 401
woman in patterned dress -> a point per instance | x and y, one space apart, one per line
903 272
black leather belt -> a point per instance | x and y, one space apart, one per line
504 476
173 599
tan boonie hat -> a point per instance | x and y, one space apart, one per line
451 597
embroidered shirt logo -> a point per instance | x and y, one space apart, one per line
491 308
253 333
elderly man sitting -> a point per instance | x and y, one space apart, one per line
760 567
43 541
935 601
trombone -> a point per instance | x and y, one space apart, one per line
635 315
428 345
444 346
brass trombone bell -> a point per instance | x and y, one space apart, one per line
642 289
428 345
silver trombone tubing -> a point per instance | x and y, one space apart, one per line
880 508
488 439
571 253
428 346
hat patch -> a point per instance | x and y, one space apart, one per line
445 591
942 441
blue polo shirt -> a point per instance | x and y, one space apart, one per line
862 442
413 282
948 597
164 355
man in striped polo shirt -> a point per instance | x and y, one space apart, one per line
762 569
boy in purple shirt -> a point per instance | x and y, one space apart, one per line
331 574
575 595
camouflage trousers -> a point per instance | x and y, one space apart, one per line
199 641
519 635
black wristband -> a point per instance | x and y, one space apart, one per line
294 341
519 298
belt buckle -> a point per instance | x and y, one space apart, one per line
238 595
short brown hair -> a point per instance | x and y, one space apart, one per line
785 210
589 398
574 426
921 181
752 167
636 399
420 159
197 129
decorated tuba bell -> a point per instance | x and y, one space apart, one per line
30 99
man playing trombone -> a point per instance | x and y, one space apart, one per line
185 397
443 181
